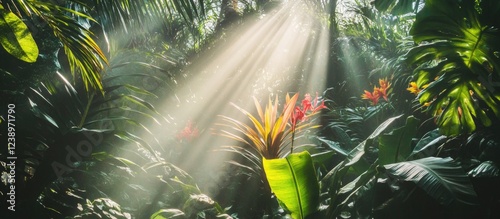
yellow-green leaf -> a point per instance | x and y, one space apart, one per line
293 181
16 38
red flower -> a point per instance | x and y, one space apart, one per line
300 114
306 103
188 133
378 92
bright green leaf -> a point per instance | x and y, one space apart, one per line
16 38
293 180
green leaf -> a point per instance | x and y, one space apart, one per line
353 158
485 169
333 145
168 214
16 38
396 146
428 145
355 155
322 157
441 178
293 180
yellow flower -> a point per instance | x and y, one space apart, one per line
414 89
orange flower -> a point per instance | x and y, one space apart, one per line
382 90
372 96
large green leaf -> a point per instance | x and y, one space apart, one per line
396 146
16 38
458 57
442 178
293 180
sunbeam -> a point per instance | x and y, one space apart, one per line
284 53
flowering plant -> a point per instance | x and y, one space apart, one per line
378 92
272 130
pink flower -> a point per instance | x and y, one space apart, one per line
188 133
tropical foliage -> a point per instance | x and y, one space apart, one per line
457 63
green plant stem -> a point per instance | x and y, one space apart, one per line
85 113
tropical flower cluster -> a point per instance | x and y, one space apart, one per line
273 130
378 92
308 108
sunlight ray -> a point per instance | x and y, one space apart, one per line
261 58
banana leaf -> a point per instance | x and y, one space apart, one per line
396 146
293 181
441 178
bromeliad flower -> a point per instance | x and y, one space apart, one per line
271 129
372 96
378 92
383 89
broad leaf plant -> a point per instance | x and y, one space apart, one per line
457 60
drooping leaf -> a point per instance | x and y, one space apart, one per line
334 145
441 178
396 146
16 38
355 155
294 182
428 145
85 57
353 158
